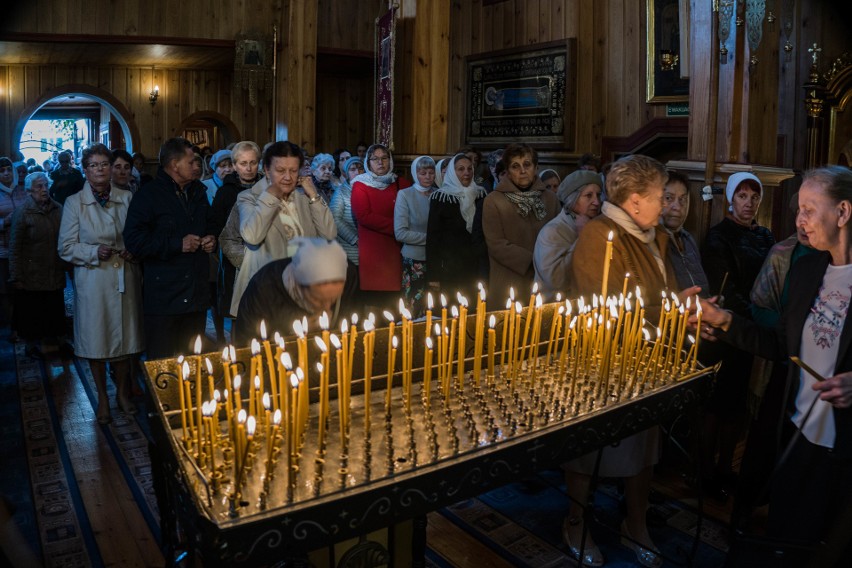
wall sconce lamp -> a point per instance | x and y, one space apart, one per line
155 94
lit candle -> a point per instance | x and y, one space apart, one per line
183 373
293 429
238 401
232 357
554 333
207 412
507 322
324 370
267 413
451 346
210 383
607 259
430 303
369 352
229 415
341 396
270 441
353 336
478 337
239 444
439 337
698 311
443 312
391 325
321 369
492 340
391 364
226 368
199 431
462 338
258 396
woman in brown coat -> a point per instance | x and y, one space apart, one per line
512 216
635 191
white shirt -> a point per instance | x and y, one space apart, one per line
819 349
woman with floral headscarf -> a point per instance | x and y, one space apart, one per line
512 216
373 199
455 246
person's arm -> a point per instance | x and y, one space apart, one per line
321 217
366 215
402 230
256 216
70 248
230 241
346 231
500 248
143 237
552 258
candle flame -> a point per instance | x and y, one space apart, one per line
627 304
372 317
300 375
368 325
276 417
558 297
646 334
512 293
561 310
538 301
225 355
573 322
217 396
263 329
508 304
612 311
492 321
266 403
641 302
257 382
688 302
238 381
204 408
400 305
197 348
459 298
430 303
287 361
518 307
535 288
180 359
185 370
388 316
225 394
297 329
443 301
438 329
479 286
232 353
294 380
241 416
659 332
406 314
251 424
609 237
209 365
394 342
335 341
344 326
255 346
429 342
568 308
319 367
354 319
279 341
698 308
323 321
690 337
454 311
481 293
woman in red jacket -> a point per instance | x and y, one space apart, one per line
373 199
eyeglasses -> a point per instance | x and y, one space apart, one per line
378 159
98 166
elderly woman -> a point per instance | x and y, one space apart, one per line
455 245
274 212
410 217
373 198
121 175
512 216
341 208
733 253
341 155
107 305
322 168
580 194
35 270
683 249
11 197
222 165
635 188
810 494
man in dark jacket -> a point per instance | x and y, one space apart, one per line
169 228
66 179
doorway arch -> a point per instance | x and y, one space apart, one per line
226 127
116 107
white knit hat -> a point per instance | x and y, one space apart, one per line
318 260
734 181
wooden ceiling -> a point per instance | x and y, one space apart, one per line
129 51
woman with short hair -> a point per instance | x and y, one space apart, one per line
108 282
322 168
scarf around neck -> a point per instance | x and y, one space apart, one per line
646 236
528 201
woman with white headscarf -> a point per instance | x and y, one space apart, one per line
411 214
373 198
455 245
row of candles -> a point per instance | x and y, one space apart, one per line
606 338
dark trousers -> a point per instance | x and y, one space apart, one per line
168 336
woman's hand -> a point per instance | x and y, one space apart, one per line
105 252
837 390
712 317
308 186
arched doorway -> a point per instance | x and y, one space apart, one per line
209 128
104 119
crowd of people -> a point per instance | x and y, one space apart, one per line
253 234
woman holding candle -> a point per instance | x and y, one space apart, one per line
455 245
580 195
512 216
634 187
735 248
107 318
810 494
373 199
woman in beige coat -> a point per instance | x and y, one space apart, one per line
108 299
275 211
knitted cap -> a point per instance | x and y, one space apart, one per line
575 182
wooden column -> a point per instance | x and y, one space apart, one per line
297 76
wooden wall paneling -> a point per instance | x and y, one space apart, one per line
415 136
302 46
618 56
764 102
17 93
518 11
472 11
557 19
487 19
464 18
440 60
585 75
31 83
509 18
74 18
600 80
409 90
704 48
636 112
545 24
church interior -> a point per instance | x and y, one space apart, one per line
710 90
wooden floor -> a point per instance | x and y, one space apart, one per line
124 539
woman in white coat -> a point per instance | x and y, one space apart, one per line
275 211
108 299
